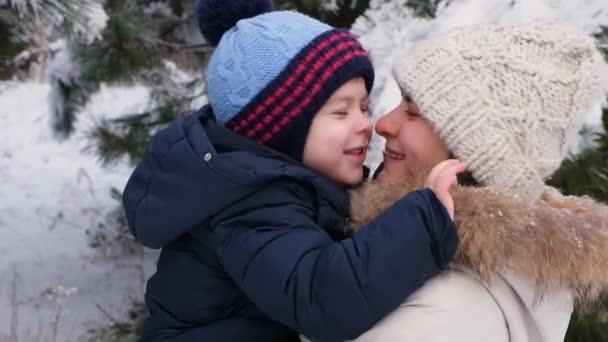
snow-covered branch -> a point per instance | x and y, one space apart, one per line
35 53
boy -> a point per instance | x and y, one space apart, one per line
248 196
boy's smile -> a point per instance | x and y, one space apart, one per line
339 136
357 154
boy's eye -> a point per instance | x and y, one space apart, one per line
341 112
365 110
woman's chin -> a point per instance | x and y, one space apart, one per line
394 172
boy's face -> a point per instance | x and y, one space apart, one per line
339 135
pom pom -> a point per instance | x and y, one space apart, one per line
217 16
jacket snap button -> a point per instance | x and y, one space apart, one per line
207 156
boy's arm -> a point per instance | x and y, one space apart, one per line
295 273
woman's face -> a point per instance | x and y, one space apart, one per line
412 145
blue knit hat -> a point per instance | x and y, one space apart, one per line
272 71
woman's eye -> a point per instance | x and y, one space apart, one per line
412 115
341 112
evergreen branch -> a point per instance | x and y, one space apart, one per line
51 9
178 46
423 8
69 99
602 40
587 172
26 56
128 135
346 12
589 326
174 24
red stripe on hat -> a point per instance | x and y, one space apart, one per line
300 68
315 89
301 88
310 77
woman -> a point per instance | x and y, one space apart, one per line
507 102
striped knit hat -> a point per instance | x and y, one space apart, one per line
272 71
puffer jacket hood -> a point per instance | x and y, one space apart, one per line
194 169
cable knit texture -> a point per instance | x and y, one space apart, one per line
506 100
251 54
272 72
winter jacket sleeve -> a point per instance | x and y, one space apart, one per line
294 272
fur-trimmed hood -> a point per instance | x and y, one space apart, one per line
556 242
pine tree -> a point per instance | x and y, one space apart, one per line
82 44
137 44
140 44
139 56
28 26
337 13
8 48
64 16
587 174
424 8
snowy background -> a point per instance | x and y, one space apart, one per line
51 283
53 286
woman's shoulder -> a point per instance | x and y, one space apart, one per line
455 290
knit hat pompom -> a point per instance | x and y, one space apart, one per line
217 16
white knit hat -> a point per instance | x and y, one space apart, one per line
507 101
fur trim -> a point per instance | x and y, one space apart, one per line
555 242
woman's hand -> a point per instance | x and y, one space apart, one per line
442 178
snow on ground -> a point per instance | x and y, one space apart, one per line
51 282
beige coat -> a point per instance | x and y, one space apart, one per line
516 274
457 306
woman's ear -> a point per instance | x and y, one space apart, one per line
466 179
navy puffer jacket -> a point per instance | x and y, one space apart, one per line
254 247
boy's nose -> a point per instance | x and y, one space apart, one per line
366 124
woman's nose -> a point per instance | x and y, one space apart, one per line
388 125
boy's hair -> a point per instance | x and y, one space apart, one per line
271 72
